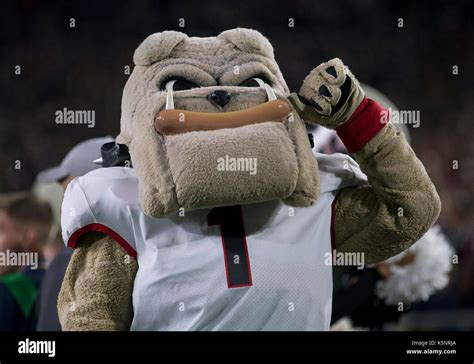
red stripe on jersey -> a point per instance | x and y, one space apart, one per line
246 248
72 242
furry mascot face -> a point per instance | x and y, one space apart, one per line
178 132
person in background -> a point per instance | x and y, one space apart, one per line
53 193
79 161
25 226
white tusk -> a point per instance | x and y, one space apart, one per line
169 94
270 93
98 161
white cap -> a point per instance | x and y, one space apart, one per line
79 161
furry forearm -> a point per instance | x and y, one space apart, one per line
96 294
395 209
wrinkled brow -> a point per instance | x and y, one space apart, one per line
184 69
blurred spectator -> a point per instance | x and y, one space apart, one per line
76 163
53 193
25 224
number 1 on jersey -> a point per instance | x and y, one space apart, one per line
234 243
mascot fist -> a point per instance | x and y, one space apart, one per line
329 95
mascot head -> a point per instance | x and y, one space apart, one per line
208 124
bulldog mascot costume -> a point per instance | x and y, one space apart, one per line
225 219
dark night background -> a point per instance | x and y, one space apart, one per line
83 68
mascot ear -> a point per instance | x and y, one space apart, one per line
157 47
248 40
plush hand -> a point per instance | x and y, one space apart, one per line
329 95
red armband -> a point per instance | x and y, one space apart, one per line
363 125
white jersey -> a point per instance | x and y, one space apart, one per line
252 267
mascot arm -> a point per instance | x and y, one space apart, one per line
96 293
399 203
396 207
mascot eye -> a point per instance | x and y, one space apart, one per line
180 84
251 82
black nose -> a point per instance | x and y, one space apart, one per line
219 97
